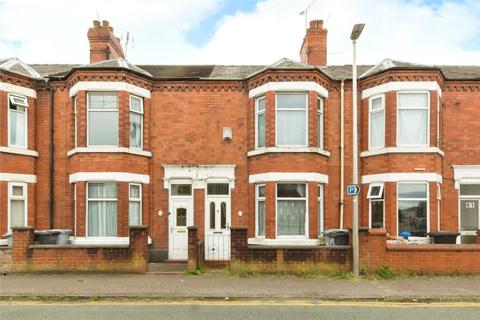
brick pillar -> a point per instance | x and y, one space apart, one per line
192 263
239 243
138 245
23 238
376 249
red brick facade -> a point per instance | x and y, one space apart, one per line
183 125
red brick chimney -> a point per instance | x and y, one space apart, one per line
103 43
314 46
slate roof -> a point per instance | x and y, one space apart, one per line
234 72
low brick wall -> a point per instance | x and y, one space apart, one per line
326 258
28 257
5 260
418 258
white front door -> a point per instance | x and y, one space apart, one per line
217 222
180 217
469 220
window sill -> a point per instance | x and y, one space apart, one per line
137 152
266 150
20 151
388 150
284 242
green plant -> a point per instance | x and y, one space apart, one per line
194 272
385 272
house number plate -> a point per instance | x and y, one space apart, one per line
470 205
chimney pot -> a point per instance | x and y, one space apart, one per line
96 23
105 24
314 46
316 24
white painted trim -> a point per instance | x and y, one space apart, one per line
284 242
289 86
9 123
23 152
23 197
99 240
257 199
402 85
200 174
139 200
17 177
257 114
108 86
387 150
106 149
370 114
109 176
14 89
288 176
402 176
287 149
466 174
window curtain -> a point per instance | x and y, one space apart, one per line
102 215
291 127
17 210
135 130
261 218
291 218
17 128
134 213
261 130
412 127
377 130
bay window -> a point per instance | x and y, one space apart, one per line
102 209
102 119
136 122
135 204
260 122
75 120
376 120
291 209
413 118
376 205
413 208
291 118
320 121
17 205
260 210
17 121
320 210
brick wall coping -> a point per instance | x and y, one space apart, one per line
5 248
192 228
433 247
81 246
238 228
22 228
299 247
143 226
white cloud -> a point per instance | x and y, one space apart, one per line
54 31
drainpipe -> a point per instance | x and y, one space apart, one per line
51 150
342 151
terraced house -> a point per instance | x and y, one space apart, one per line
256 157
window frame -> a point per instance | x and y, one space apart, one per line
292 237
466 197
321 121
103 110
257 114
87 199
75 120
373 185
141 113
11 197
139 200
257 199
321 209
9 99
370 114
381 198
427 199
291 109
427 143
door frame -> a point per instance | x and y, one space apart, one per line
190 215
466 198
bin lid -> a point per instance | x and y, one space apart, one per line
336 232
443 233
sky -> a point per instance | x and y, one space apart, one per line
255 32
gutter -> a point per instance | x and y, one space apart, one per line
51 164
342 150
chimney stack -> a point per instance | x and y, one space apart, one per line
314 46
103 43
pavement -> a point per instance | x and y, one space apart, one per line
219 285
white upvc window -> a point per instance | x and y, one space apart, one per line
376 122
413 208
260 206
102 209
291 119
291 211
136 122
75 120
376 205
438 121
260 122
102 119
321 219
320 120
17 121
413 118
439 204
17 204
134 204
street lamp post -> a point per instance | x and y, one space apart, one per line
356 31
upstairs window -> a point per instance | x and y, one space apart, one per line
136 122
75 120
320 121
17 121
413 117
376 120
292 119
102 119
260 122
